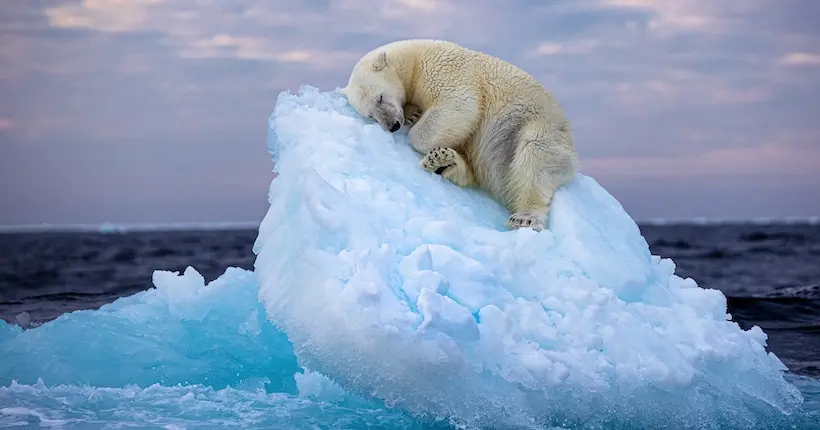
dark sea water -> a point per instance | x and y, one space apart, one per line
770 273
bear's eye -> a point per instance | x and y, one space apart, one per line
381 97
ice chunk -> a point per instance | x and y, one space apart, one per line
318 386
181 355
399 285
181 332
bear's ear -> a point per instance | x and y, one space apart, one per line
380 62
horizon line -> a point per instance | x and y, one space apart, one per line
111 227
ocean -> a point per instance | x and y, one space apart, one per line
769 273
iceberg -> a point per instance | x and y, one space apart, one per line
385 297
401 286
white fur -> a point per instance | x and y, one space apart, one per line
477 120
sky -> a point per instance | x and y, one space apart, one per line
155 111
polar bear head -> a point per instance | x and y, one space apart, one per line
376 91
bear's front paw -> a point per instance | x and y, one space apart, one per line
412 113
439 159
526 219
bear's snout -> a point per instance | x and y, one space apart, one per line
395 127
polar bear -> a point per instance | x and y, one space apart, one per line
477 121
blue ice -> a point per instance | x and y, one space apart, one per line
184 354
385 297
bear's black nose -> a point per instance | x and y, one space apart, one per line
395 127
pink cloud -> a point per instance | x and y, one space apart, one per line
800 59
5 124
773 159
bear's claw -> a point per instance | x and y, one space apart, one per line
438 160
412 114
526 219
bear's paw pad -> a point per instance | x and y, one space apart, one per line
439 159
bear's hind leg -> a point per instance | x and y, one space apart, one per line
448 163
543 162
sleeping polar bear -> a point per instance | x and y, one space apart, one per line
476 119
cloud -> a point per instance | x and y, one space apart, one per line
767 159
5 124
654 88
258 48
209 29
800 59
692 16
114 16
572 47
